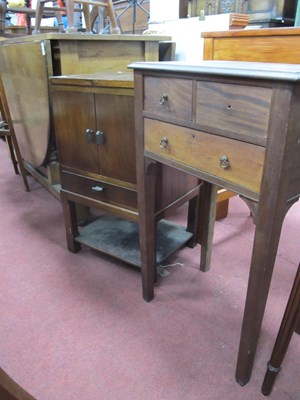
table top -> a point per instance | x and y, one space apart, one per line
84 37
260 70
284 31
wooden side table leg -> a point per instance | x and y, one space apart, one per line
269 222
193 221
71 225
286 330
208 202
12 154
147 227
297 328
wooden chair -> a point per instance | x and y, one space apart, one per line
7 132
70 9
47 12
290 324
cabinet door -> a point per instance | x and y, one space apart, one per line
115 118
74 114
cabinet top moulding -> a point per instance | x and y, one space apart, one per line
82 37
99 79
294 31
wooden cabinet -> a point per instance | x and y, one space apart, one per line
44 55
94 129
263 45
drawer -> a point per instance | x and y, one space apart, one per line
204 151
237 109
98 190
168 97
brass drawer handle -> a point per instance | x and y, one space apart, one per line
163 143
224 162
97 189
163 98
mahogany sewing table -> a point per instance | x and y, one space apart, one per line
231 124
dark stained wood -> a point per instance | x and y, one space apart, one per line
276 190
288 326
103 174
7 131
52 54
11 390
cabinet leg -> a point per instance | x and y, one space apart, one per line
147 228
207 216
193 221
69 211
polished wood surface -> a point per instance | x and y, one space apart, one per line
290 323
48 54
11 390
270 191
94 126
263 45
7 132
30 119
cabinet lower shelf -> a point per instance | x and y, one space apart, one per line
119 238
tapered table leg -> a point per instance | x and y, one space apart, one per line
286 330
268 228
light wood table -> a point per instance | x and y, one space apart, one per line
234 125
276 45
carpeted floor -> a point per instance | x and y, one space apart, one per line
75 327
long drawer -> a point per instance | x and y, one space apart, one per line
234 161
98 190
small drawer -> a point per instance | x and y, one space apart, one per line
168 97
237 109
228 159
98 190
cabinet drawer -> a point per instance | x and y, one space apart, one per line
203 151
98 190
237 109
168 97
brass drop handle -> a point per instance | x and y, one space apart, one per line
224 162
163 143
163 98
97 189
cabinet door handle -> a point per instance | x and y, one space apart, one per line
97 189
100 137
90 136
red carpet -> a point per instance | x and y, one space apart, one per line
75 327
